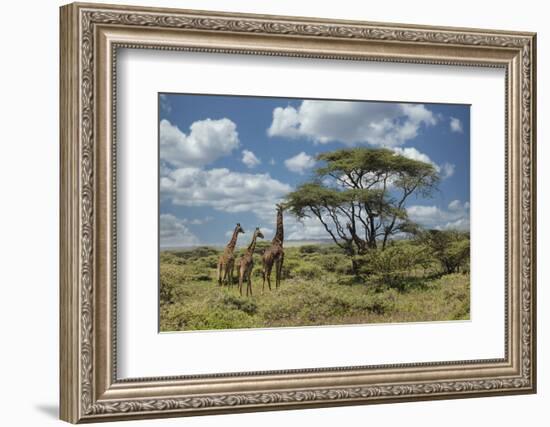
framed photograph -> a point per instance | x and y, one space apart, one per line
265 213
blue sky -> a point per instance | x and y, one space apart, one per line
229 159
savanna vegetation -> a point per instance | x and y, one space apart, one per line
410 281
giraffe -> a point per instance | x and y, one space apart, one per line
227 259
275 253
246 263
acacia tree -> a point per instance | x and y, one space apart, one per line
450 247
359 196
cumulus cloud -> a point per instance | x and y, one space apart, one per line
197 221
207 141
223 190
413 154
174 232
249 159
455 216
300 163
351 123
445 170
308 228
456 125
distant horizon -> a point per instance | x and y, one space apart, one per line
244 243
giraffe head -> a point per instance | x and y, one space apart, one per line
280 207
258 233
238 228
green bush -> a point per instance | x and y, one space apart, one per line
451 248
170 258
309 249
236 302
172 277
317 288
290 267
309 271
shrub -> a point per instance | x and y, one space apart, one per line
171 278
333 262
170 258
451 248
309 271
202 277
309 249
290 268
348 280
235 302
195 253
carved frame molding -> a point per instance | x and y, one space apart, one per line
90 37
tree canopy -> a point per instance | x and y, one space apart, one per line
359 195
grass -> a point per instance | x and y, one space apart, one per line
317 289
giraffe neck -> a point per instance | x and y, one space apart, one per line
233 242
280 232
252 245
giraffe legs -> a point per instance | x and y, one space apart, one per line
249 279
241 278
267 275
263 278
224 275
219 273
279 270
231 274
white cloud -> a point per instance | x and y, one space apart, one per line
456 125
173 232
455 205
223 190
446 170
308 228
351 123
456 216
272 161
300 163
250 159
207 141
267 232
197 221
413 154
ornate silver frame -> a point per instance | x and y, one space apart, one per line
90 36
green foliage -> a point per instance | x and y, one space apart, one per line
309 249
196 253
451 248
333 263
309 271
171 278
171 258
236 302
367 187
395 265
318 288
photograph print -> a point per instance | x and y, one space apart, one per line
287 212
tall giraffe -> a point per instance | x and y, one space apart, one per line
227 259
246 263
275 254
